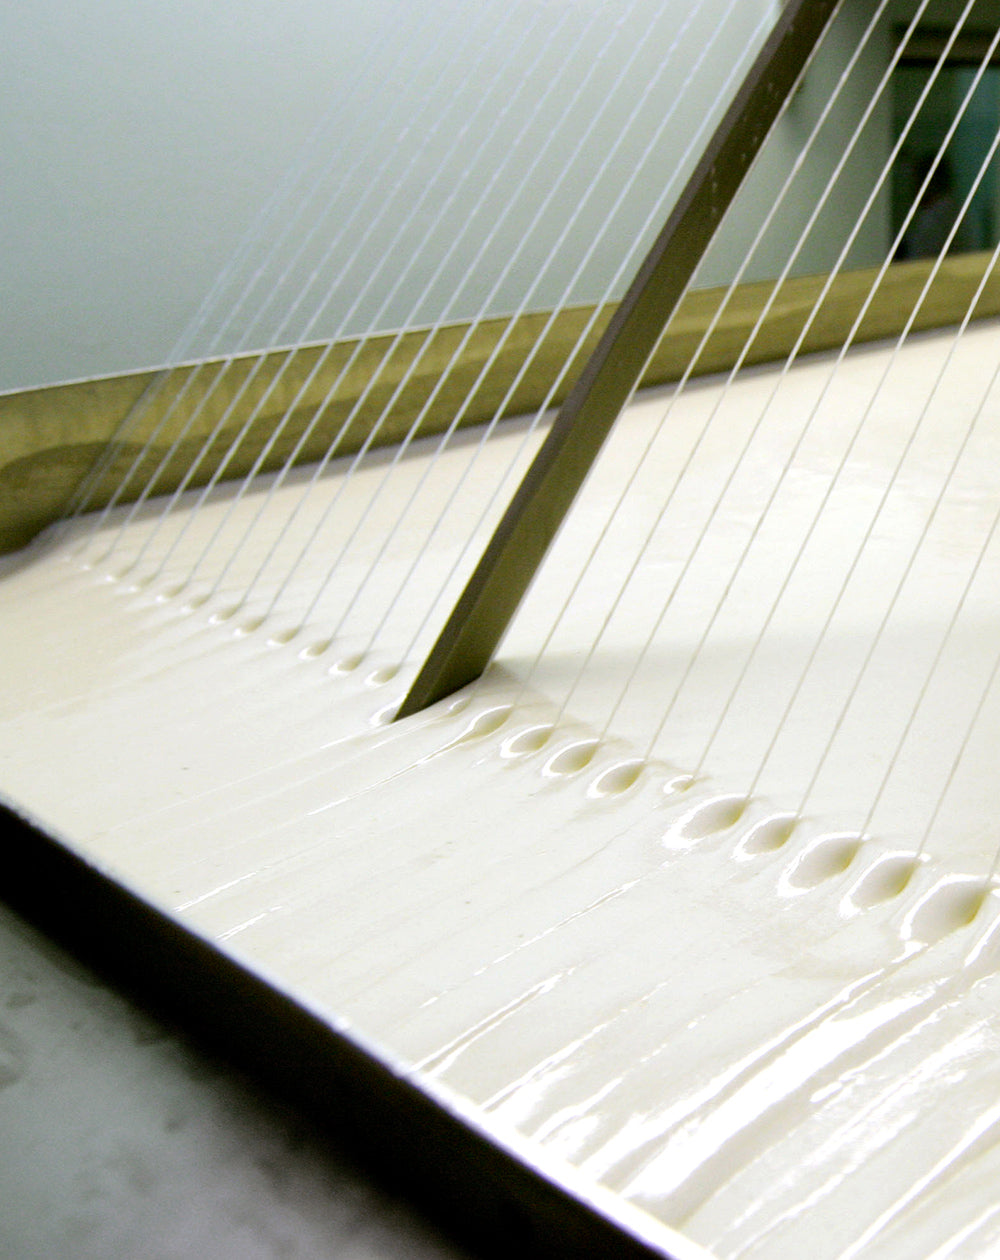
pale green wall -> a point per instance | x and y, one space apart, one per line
841 223
140 138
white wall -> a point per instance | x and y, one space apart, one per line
140 139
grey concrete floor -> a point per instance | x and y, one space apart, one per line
122 1139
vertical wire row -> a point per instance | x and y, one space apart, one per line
160 542
762 733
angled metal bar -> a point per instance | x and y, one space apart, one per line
518 546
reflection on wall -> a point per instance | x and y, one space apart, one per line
930 186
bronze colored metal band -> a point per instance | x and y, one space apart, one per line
518 546
50 436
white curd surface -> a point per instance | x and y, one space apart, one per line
712 979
